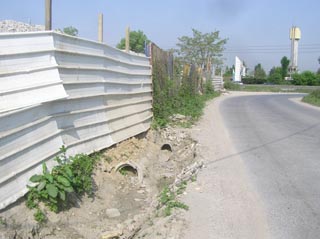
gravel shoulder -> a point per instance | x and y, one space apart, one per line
223 203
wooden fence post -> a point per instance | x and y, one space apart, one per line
100 27
127 39
48 15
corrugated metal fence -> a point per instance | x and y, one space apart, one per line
58 90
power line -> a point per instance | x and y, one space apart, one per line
272 46
306 48
269 52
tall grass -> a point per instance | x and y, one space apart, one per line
313 98
184 102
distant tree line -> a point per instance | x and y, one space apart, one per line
279 75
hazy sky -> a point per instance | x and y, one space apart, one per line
258 30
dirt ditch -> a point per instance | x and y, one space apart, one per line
128 179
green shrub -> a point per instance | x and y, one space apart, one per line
252 80
275 76
184 102
306 78
208 87
229 85
51 187
82 166
71 175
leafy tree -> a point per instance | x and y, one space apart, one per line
275 75
137 41
202 48
228 71
284 66
72 31
259 72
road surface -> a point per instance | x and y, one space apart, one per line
262 178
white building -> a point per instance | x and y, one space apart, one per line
239 70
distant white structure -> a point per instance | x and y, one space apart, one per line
239 70
295 36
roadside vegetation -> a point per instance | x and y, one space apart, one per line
313 98
184 103
71 31
229 85
185 90
137 41
169 201
55 188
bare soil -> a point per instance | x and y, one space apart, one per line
128 180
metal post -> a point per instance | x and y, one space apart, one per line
127 39
48 15
100 27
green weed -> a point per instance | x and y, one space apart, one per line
193 178
168 199
39 216
182 187
71 175
3 221
184 104
123 171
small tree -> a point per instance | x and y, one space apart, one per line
72 31
284 66
275 75
259 72
137 41
202 48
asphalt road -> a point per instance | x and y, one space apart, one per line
279 143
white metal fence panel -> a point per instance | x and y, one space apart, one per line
217 82
28 71
58 90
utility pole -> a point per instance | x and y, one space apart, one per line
100 27
48 15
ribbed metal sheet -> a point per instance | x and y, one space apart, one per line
58 90
217 82
28 71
